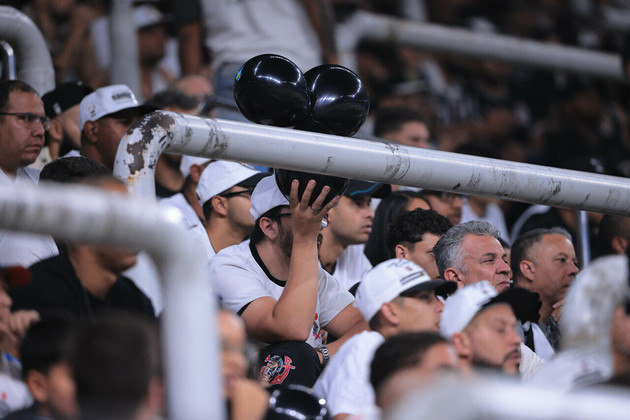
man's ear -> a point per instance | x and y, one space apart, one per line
462 344
195 173
528 270
390 312
453 274
55 132
619 244
219 205
37 383
91 130
269 228
401 251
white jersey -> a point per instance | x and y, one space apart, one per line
238 279
14 394
351 266
18 248
239 30
345 382
192 222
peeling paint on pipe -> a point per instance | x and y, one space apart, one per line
164 131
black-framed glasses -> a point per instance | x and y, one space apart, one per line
246 192
30 119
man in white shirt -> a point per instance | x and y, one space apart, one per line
395 296
275 283
225 193
23 124
481 325
349 227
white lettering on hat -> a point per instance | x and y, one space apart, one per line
57 108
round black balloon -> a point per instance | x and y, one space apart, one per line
294 402
270 89
339 99
284 178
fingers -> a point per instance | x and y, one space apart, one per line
318 204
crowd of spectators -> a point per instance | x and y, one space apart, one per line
357 299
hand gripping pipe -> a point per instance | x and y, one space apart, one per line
163 131
77 213
34 64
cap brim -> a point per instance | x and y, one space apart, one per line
141 109
253 180
442 287
358 189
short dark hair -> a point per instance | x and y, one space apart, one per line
257 234
391 119
390 207
524 242
411 226
113 363
47 343
172 98
400 352
609 227
8 86
72 169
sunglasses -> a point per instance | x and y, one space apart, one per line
246 192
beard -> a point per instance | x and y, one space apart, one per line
286 242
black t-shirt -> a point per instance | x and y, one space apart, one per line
56 288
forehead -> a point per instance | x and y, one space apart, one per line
20 101
475 245
557 242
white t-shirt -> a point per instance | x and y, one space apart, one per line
351 266
345 382
239 30
196 228
14 394
238 279
19 248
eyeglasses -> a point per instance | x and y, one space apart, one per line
30 119
247 191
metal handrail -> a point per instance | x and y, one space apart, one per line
171 132
77 213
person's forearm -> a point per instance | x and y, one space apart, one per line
298 302
356 328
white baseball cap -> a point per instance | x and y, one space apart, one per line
146 15
108 100
188 161
222 175
266 196
389 279
467 302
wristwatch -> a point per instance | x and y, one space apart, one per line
325 355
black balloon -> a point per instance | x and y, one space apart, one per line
270 89
339 100
293 402
284 178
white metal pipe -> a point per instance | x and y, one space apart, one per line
497 47
8 61
125 67
583 238
363 159
77 213
34 64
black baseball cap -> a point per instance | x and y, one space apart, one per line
357 188
64 97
